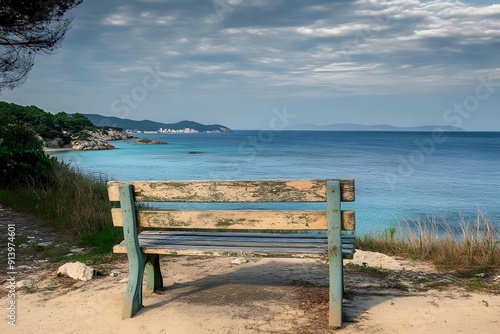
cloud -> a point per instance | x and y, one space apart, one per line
281 48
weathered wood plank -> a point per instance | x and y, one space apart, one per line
260 244
199 240
232 191
235 219
230 234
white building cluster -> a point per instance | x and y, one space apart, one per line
161 130
185 130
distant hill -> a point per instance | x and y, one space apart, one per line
147 125
361 127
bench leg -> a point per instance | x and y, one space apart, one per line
133 295
154 281
136 258
335 253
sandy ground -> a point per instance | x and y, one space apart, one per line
211 295
55 150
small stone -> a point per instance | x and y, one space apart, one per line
24 267
25 283
125 280
77 250
114 273
240 260
76 270
45 244
480 275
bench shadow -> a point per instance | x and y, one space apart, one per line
276 281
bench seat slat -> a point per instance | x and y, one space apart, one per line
259 243
237 234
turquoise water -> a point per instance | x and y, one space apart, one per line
399 175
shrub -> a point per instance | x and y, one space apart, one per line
22 159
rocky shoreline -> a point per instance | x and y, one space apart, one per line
89 140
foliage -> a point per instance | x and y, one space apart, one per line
28 28
46 125
31 181
22 159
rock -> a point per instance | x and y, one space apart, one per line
149 141
375 260
45 244
114 273
77 250
97 139
125 280
480 275
53 143
24 267
76 270
240 260
25 283
86 145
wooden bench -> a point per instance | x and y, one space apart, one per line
232 232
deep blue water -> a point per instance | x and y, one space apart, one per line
399 175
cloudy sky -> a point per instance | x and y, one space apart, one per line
242 62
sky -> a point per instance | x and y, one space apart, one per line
262 64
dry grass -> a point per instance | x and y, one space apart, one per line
471 244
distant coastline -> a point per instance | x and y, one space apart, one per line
379 127
152 127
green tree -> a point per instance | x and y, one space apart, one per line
28 28
22 159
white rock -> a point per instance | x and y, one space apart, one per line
45 244
76 270
240 260
24 267
375 260
77 250
125 280
114 273
25 283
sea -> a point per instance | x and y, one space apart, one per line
400 177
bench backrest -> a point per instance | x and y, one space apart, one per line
330 191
